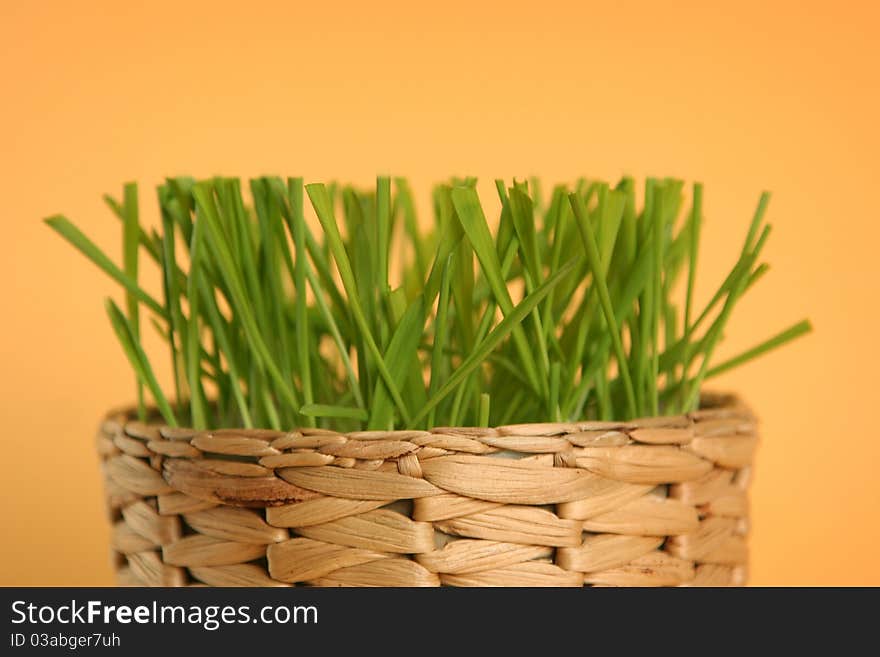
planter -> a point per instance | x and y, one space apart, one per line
654 502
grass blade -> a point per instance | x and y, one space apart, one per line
398 357
328 411
383 228
227 265
696 221
783 337
171 285
295 198
484 411
441 333
501 331
84 245
657 295
714 334
138 360
411 226
198 407
215 321
324 209
589 239
470 213
131 233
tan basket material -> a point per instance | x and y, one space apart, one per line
654 502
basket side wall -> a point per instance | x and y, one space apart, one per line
654 502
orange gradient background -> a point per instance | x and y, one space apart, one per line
782 96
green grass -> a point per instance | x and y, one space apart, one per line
582 308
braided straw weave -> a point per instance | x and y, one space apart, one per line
654 502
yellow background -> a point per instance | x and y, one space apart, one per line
749 96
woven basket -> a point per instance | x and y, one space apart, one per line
654 502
